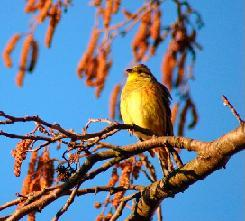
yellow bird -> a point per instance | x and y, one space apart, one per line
145 102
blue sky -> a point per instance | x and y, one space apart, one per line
55 93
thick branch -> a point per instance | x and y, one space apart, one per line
211 156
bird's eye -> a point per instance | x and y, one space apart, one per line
129 70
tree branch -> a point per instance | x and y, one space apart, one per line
212 156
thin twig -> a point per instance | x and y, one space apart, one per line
226 102
67 204
159 213
122 204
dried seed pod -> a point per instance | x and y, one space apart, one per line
44 11
19 154
114 100
108 12
8 50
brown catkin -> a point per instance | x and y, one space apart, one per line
97 205
115 6
91 70
108 12
128 14
149 166
194 116
55 14
19 154
108 217
100 87
156 24
40 4
174 113
93 41
123 181
114 178
26 48
34 55
89 52
181 68
44 11
35 183
183 115
168 65
140 42
20 77
136 169
100 217
31 216
27 181
31 6
114 100
96 2
8 50
103 69
47 170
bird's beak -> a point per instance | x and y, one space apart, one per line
128 71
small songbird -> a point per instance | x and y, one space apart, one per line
145 102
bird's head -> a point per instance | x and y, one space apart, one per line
139 71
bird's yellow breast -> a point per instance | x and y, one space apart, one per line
141 104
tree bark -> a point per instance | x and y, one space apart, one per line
211 156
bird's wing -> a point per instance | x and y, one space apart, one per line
166 97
